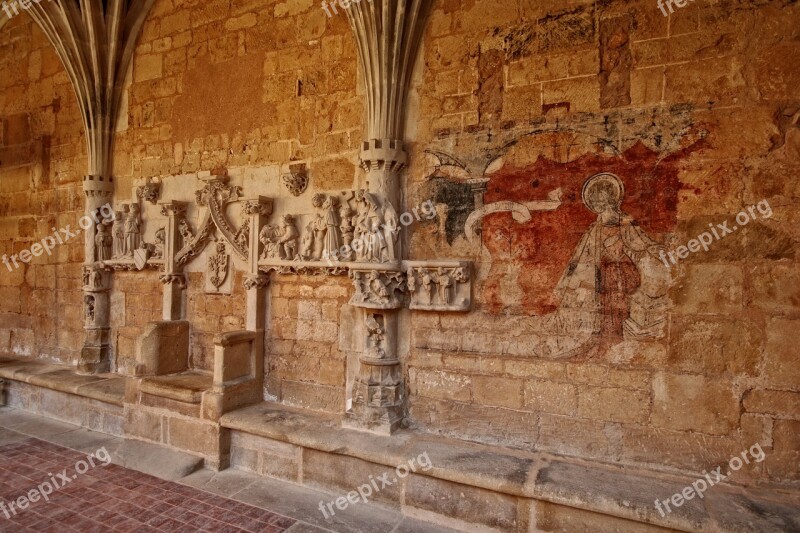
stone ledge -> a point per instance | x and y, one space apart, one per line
187 387
107 388
625 493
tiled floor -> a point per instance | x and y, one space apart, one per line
178 496
110 497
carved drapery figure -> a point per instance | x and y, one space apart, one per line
307 242
332 238
158 246
427 284
445 283
118 235
133 232
103 241
391 230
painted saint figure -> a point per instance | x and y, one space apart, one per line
614 261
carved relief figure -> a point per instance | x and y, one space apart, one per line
242 238
133 232
307 242
187 235
90 304
288 239
427 284
376 336
445 283
158 247
103 241
319 228
392 231
412 283
118 235
332 239
269 238
377 288
347 227
360 294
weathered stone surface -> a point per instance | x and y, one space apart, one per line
688 402
460 502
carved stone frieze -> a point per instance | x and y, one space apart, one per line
94 279
439 285
377 289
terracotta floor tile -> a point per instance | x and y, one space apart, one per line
113 498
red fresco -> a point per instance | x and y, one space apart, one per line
541 249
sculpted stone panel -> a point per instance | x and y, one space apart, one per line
439 286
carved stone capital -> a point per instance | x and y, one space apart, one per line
95 279
384 154
173 208
257 206
98 186
377 289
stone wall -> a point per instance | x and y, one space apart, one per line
42 157
697 114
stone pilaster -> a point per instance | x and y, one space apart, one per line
96 351
258 210
173 279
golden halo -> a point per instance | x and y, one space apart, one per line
607 182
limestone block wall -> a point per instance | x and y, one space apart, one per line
513 101
42 155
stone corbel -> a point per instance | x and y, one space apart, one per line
150 191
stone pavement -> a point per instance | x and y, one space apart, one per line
133 486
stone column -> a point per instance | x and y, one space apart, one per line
173 279
96 351
388 35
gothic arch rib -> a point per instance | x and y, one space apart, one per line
95 41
